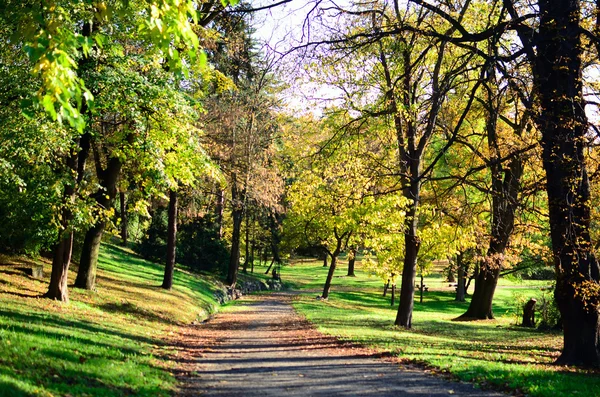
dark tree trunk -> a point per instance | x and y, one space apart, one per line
409 272
334 255
61 258
86 275
252 260
247 247
332 267
385 287
506 181
393 300
421 288
460 286
171 241
529 314
238 216
325 259
124 218
270 266
219 208
351 261
563 124
60 269
88 263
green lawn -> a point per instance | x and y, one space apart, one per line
494 352
113 342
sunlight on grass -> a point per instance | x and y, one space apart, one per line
495 351
104 343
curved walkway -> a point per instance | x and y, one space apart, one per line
261 347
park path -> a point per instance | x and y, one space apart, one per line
261 347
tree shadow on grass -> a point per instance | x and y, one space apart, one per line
133 310
28 320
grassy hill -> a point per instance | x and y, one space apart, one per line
112 342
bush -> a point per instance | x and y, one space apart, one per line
153 245
200 248
198 245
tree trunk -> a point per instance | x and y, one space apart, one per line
334 255
171 241
247 247
351 261
460 286
563 124
60 269
124 218
252 259
61 258
421 288
327 286
393 300
88 263
86 275
219 211
238 215
506 181
325 259
409 272
529 314
271 265
385 287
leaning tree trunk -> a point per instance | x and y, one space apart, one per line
332 267
563 124
88 263
334 255
171 241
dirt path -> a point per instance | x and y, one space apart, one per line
263 348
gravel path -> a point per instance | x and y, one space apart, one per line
263 348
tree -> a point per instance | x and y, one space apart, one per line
551 40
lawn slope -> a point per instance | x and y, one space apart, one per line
494 352
106 343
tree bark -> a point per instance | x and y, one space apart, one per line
409 272
460 286
325 257
351 262
86 275
506 181
563 124
334 255
88 263
385 287
247 247
219 211
61 258
237 215
171 241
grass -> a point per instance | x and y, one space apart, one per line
105 343
494 352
